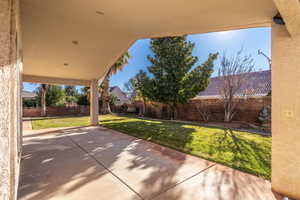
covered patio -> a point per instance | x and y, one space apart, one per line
75 43
99 163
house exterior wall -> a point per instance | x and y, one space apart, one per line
286 112
122 98
10 98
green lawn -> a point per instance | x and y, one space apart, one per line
60 122
240 150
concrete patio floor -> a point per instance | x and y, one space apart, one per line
97 163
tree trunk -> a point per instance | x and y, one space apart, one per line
43 100
144 107
229 112
173 112
141 111
227 117
105 107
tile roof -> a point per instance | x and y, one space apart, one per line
112 88
27 94
259 85
117 88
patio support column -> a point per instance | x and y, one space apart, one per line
285 111
10 99
94 103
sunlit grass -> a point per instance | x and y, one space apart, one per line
60 122
240 150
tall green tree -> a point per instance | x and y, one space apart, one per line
175 78
71 90
51 95
71 94
104 87
84 96
55 96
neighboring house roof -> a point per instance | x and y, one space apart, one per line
112 88
259 85
116 88
27 94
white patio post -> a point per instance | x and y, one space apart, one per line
94 102
285 112
10 99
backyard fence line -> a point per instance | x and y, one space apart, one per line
247 110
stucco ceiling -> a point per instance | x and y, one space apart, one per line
81 39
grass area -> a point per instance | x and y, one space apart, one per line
240 150
60 122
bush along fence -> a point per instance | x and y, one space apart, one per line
211 110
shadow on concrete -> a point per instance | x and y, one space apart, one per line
64 161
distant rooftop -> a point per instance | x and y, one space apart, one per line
112 88
27 94
259 85
117 88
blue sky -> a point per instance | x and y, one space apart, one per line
230 41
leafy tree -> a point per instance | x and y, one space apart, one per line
129 89
175 79
71 99
71 91
112 100
84 96
71 94
54 95
29 103
85 90
135 89
83 100
104 88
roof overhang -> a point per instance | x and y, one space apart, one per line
54 81
76 39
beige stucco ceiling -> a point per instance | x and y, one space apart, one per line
105 29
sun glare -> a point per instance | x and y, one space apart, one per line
226 33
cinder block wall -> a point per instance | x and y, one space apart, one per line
57 111
247 110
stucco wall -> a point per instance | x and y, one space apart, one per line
10 101
286 112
